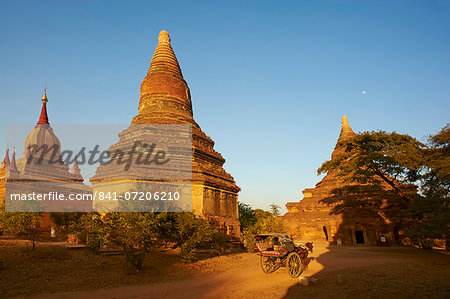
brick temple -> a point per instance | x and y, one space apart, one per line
165 99
313 219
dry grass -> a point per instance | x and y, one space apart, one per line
50 268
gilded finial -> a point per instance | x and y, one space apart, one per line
44 96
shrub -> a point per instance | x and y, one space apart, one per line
135 233
20 223
191 232
64 220
95 230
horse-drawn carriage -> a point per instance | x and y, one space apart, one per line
278 250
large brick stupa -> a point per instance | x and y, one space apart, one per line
165 99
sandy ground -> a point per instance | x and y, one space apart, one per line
337 272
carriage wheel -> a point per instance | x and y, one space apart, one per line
294 265
268 266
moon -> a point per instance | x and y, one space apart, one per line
363 92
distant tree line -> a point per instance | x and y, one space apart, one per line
258 221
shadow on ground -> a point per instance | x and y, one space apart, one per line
374 272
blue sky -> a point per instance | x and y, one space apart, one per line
269 80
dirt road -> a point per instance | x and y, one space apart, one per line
338 271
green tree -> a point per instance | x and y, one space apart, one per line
190 232
135 233
246 216
21 223
96 230
275 209
431 212
370 157
265 222
186 231
64 220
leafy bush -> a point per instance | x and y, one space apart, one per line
246 216
20 223
135 233
184 230
191 231
64 220
95 229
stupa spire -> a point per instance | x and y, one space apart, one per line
12 166
6 160
165 96
164 59
346 130
346 133
43 118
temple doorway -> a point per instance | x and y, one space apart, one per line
359 236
